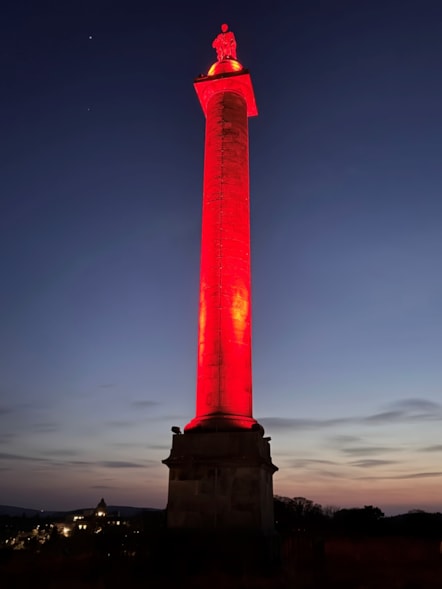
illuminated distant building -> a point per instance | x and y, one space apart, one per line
101 509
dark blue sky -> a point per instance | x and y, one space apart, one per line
101 159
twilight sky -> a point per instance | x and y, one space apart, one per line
101 158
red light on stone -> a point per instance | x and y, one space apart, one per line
224 77
220 470
224 377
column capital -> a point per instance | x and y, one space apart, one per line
226 76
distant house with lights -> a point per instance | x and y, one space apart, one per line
91 520
101 509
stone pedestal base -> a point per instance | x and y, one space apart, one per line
220 481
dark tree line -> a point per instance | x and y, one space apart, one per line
301 515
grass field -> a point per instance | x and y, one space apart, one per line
306 563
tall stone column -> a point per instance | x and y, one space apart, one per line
224 377
221 469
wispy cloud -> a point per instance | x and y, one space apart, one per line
50 461
436 448
307 462
344 439
101 487
61 452
413 405
412 475
370 463
21 457
120 464
402 411
419 475
109 463
333 474
368 450
384 417
301 424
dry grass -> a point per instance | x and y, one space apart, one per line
340 563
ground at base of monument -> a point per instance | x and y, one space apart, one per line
307 562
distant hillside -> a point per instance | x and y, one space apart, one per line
122 510
126 511
19 511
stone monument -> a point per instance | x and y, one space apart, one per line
220 468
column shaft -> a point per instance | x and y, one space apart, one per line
224 378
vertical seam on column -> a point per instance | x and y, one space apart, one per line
220 260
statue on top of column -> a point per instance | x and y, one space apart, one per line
225 44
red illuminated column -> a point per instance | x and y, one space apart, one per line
224 378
